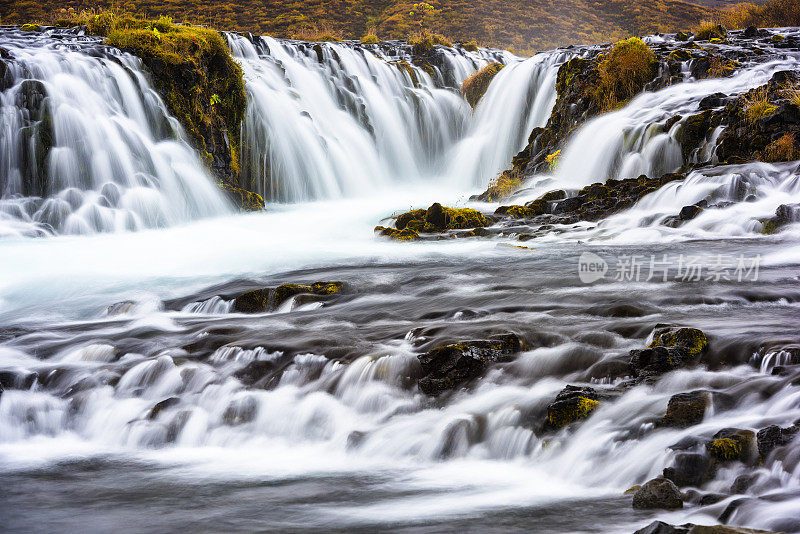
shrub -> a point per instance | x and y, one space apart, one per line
502 185
757 104
709 30
770 14
317 34
782 149
624 71
370 38
476 85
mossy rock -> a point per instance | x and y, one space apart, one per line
405 218
470 46
444 218
244 199
686 409
476 85
570 405
733 444
680 55
261 300
254 301
521 212
692 340
31 28
406 234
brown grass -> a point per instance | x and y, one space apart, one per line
771 14
624 71
709 30
782 149
757 105
792 93
318 34
721 67
505 183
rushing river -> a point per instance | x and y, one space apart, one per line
124 406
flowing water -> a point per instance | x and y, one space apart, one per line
123 406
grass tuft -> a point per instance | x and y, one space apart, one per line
624 71
476 85
757 105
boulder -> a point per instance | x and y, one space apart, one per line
770 438
659 527
686 409
733 444
659 493
449 366
261 300
571 404
690 469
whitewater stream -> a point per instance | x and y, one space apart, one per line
124 406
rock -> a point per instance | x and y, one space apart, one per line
244 199
733 444
450 366
261 300
690 469
659 527
659 493
255 371
686 409
571 404
772 437
692 340
20 379
689 212
693 132
239 411
436 219
406 234
742 483
713 101
683 36
161 406
443 218
415 215
784 214
750 32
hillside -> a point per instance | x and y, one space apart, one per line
524 25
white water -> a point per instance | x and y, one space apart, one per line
356 123
473 455
118 161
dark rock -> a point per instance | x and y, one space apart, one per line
450 366
690 469
255 371
261 300
21 379
244 199
772 437
686 409
742 483
713 101
162 405
240 411
659 493
750 32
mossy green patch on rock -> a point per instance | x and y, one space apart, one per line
444 218
476 85
573 403
244 199
686 409
406 234
692 340
267 299
733 444
31 28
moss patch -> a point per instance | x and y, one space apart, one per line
624 71
567 412
692 340
476 85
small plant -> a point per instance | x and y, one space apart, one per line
505 183
476 85
757 105
215 99
370 38
708 30
721 67
782 149
791 92
624 71
470 46
553 159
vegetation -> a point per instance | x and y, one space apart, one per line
624 71
502 185
792 93
782 149
476 85
757 104
771 14
708 30
721 67
525 25
370 38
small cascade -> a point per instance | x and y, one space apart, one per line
340 119
88 146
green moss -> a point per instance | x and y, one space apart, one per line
370 38
770 226
246 200
470 46
454 219
567 412
31 28
777 38
567 73
403 219
194 72
680 55
476 85
726 449
408 69
407 234
252 301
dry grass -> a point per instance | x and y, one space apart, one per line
792 93
771 14
757 105
708 30
721 67
505 183
624 71
370 38
782 149
476 85
318 34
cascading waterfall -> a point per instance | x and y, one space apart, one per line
335 119
88 146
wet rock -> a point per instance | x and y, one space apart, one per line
659 527
406 234
256 371
436 219
713 101
772 437
261 300
692 340
733 444
659 493
443 218
784 214
742 483
240 411
571 404
693 132
162 405
686 409
244 199
450 366
672 348
18 379
690 469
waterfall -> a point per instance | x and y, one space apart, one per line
88 146
341 119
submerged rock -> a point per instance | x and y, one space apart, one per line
671 348
659 527
659 493
690 469
686 409
733 444
450 366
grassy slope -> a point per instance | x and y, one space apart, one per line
524 25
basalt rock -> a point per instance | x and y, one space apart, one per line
437 219
659 527
244 199
770 438
785 214
690 469
268 299
671 348
451 366
659 493
37 130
